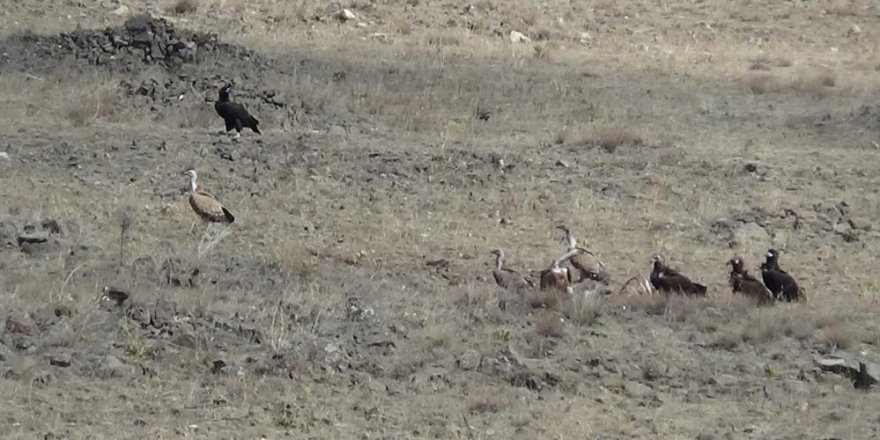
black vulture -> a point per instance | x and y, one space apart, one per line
234 114
743 282
783 285
668 280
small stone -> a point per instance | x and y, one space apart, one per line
562 163
344 15
519 37
854 30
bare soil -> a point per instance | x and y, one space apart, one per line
354 297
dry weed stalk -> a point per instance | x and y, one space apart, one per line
125 217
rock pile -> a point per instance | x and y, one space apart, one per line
142 40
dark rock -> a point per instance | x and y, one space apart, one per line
38 245
61 360
862 375
52 226
19 324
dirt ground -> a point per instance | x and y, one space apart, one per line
354 297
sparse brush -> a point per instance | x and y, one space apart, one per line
803 82
586 309
837 337
181 7
681 308
550 324
651 304
96 103
125 218
488 401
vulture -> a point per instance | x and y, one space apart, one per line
506 277
112 294
558 277
234 114
742 282
587 264
783 285
206 205
668 280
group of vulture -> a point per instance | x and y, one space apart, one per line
777 285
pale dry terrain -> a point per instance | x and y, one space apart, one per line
354 297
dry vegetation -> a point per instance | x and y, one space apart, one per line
354 298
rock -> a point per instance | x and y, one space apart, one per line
860 223
562 163
854 30
121 10
60 360
846 231
344 15
637 390
5 353
586 37
469 360
4 155
8 234
519 37
37 245
19 324
862 375
357 311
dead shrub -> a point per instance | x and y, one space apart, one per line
648 304
768 325
486 402
550 324
837 337
683 308
585 310
94 105
727 340
610 138
814 83
181 7
763 83
542 299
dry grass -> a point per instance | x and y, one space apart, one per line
412 176
549 323
486 401
808 83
